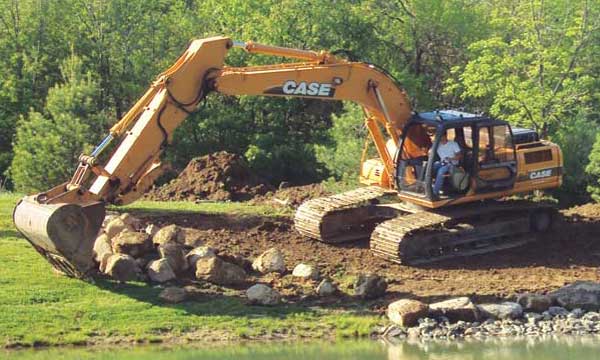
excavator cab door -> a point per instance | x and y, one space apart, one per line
413 158
495 157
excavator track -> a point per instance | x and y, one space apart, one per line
347 216
430 236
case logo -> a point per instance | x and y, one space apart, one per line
303 88
539 174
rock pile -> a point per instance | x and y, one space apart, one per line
127 250
572 309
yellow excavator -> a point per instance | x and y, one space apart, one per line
494 161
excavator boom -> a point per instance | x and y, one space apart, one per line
63 222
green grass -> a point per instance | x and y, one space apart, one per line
39 307
234 208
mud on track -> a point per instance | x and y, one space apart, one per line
570 252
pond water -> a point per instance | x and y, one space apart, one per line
572 348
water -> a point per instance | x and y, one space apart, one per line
571 348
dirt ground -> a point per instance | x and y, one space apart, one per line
571 252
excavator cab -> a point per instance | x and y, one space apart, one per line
487 160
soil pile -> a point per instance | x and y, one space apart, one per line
219 176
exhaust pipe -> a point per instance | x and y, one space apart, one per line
63 233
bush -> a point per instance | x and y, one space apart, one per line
576 139
48 145
593 170
341 156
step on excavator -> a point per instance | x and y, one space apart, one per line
469 215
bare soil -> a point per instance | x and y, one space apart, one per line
570 252
291 196
220 176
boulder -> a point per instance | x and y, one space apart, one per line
557 311
160 271
174 253
326 288
130 220
580 294
110 216
370 286
167 234
534 302
173 295
191 237
219 272
305 271
188 237
104 262
115 226
505 310
135 244
270 261
261 294
102 247
198 253
122 267
457 309
406 312
239 260
151 229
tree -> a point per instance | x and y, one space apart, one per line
576 139
593 170
47 145
341 156
528 72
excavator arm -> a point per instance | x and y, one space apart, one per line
63 222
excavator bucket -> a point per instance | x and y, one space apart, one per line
63 233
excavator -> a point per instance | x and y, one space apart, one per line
472 214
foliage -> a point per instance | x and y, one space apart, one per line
531 71
533 63
348 133
47 145
576 139
593 170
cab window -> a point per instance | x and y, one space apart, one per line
503 146
495 145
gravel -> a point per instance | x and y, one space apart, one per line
576 322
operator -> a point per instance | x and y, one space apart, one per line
449 153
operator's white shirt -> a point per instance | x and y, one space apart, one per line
448 150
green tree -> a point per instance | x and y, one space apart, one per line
530 70
576 139
341 156
593 170
47 145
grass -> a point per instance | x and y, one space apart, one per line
39 307
233 208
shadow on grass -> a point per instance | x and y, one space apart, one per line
10 233
202 303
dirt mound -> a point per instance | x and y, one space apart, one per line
219 176
292 196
